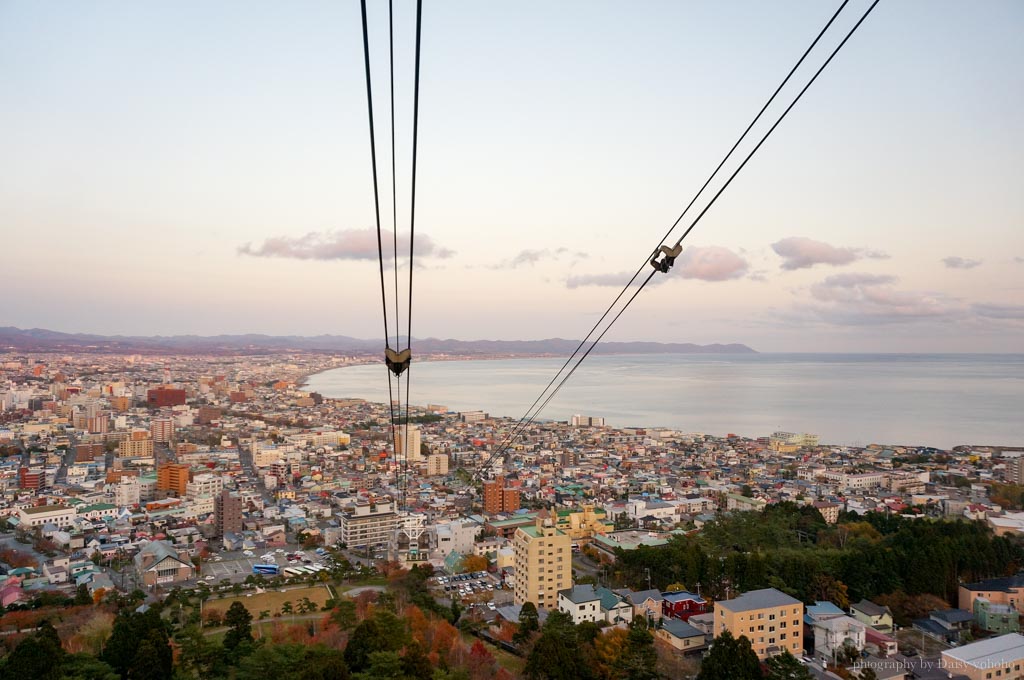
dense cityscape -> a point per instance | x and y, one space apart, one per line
241 514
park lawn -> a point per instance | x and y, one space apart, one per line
270 600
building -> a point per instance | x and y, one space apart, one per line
138 445
829 511
368 522
85 453
59 515
769 618
581 602
161 430
996 618
31 478
543 561
834 635
227 512
207 415
408 450
173 478
437 464
586 421
680 635
871 614
584 523
205 484
127 492
682 605
1008 590
500 498
1000 657
159 563
165 396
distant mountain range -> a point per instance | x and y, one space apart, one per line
42 340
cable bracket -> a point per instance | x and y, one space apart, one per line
670 258
397 362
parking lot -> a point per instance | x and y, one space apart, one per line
235 566
469 587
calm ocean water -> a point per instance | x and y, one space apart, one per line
926 399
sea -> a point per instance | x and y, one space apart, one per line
938 400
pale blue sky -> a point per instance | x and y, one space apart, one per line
145 143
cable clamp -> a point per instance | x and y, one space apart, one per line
397 362
670 258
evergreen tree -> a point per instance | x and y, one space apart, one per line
785 666
730 659
557 654
239 622
82 596
529 623
37 656
638 659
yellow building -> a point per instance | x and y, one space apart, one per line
770 619
543 562
138 445
584 523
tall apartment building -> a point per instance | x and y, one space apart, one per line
543 561
165 396
138 445
85 453
770 619
162 429
127 492
207 414
1014 473
173 478
120 403
586 421
31 478
205 484
227 513
408 450
98 424
437 464
500 498
368 522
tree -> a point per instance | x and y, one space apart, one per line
239 622
82 596
638 660
125 651
286 607
529 623
785 666
343 614
37 656
416 664
557 654
730 659
474 563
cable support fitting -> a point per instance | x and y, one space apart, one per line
670 257
397 362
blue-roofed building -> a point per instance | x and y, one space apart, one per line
681 635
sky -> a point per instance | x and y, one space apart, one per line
196 167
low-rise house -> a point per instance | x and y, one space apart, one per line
681 635
646 603
682 605
835 636
871 614
1008 590
947 625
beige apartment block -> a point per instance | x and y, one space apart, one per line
543 561
770 619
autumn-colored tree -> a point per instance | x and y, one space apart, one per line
607 649
474 563
827 588
480 662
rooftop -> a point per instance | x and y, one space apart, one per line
759 599
991 653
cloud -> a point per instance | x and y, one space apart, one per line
532 256
866 299
954 262
342 244
989 311
799 252
711 263
617 280
1019 260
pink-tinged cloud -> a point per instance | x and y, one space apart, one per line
955 262
799 252
343 244
711 263
860 298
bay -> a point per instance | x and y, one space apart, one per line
847 399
